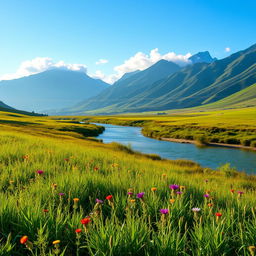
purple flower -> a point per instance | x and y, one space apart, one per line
164 211
178 192
40 172
174 186
196 209
130 193
206 195
240 192
140 195
61 194
98 201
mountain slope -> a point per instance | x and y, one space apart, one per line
194 85
129 87
241 99
49 90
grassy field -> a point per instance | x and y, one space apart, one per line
233 126
64 194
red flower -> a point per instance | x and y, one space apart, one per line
232 191
109 197
85 221
78 230
24 239
218 214
45 210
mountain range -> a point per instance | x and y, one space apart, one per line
205 81
165 85
51 89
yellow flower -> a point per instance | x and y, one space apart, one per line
164 174
56 242
153 189
172 201
76 199
182 187
132 200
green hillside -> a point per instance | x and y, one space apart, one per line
194 85
241 99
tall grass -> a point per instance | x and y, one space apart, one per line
32 205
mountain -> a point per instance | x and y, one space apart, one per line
4 106
194 85
202 57
129 86
50 89
242 99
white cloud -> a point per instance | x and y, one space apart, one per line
40 64
141 61
227 49
101 61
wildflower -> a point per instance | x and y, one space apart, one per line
66 159
132 200
232 191
182 187
54 186
98 201
24 239
140 195
109 197
40 172
252 250
61 194
206 181
78 230
164 211
56 242
174 187
179 192
85 223
206 195
45 210
210 204
172 201
130 193
76 199
153 189
96 168
11 181
196 210
164 175
240 193
218 215
25 157
130 190
28 244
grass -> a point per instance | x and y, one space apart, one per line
41 205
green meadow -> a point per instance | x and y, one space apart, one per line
66 193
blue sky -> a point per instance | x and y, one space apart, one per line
84 31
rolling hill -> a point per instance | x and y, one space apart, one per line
194 85
50 89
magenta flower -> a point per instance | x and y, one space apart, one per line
178 192
61 194
164 211
174 186
140 195
240 192
206 195
98 201
130 193
40 172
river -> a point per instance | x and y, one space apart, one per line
209 156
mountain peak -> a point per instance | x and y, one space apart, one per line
202 57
